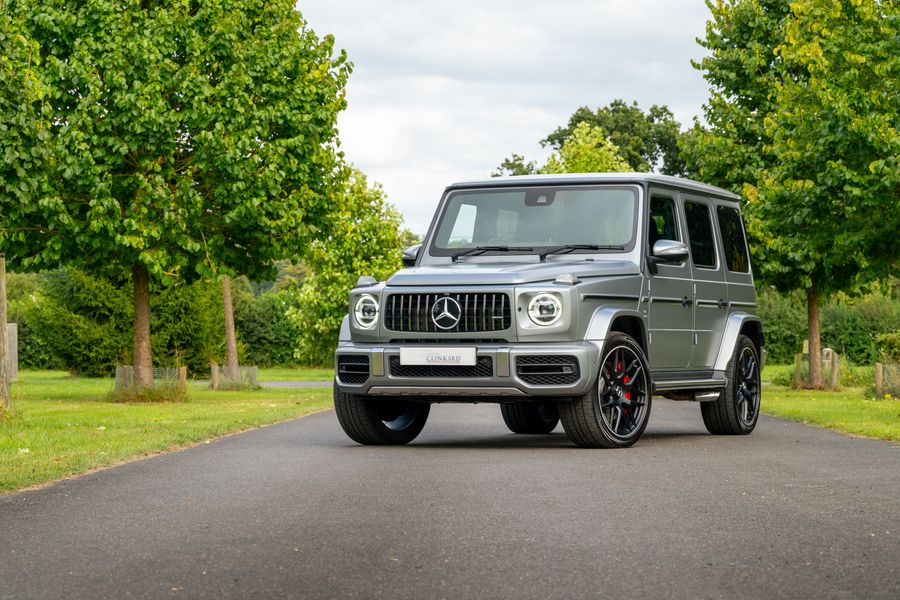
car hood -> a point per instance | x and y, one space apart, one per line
506 273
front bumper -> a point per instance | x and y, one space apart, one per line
506 378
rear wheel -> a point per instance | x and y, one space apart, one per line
737 409
379 421
615 412
530 418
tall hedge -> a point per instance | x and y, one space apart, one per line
68 319
849 325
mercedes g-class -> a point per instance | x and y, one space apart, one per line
572 298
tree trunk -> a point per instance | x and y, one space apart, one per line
815 343
143 360
230 340
4 376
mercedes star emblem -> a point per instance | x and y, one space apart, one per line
445 313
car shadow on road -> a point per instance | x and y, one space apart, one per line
551 440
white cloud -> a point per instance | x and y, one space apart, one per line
445 91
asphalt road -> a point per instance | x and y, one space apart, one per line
471 511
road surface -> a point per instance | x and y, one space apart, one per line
471 511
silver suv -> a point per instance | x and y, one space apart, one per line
569 298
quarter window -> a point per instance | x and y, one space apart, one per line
699 225
733 239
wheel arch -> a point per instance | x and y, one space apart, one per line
740 324
627 321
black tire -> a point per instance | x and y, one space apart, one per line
622 391
737 409
379 421
530 418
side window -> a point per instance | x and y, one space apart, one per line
699 225
663 224
733 239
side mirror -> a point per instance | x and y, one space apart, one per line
410 255
669 251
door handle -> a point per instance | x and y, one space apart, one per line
686 301
722 304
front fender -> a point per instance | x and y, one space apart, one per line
602 320
733 326
344 335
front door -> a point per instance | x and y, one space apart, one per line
671 291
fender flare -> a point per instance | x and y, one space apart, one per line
344 335
733 326
602 319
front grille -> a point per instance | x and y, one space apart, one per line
477 312
547 370
484 367
353 368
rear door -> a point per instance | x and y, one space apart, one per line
738 275
710 291
671 290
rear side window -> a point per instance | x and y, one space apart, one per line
733 239
699 225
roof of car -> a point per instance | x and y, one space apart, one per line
591 178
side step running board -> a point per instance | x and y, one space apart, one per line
688 384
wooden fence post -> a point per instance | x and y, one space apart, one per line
214 376
798 376
879 380
182 378
835 371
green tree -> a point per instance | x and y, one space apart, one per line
185 140
587 150
803 118
645 140
367 240
515 165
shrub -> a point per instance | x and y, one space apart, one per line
888 346
852 326
68 319
784 323
849 326
262 323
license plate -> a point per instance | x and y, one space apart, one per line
437 356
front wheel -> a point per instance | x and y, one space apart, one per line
379 421
615 412
737 408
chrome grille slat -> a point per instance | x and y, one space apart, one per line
411 312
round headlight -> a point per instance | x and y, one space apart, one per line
366 311
544 309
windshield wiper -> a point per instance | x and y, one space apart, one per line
567 248
482 249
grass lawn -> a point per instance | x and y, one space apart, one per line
847 410
62 425
298 374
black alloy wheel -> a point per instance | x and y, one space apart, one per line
615 412
736 410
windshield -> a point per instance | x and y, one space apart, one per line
534 219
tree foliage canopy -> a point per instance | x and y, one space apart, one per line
829 204
645 140
366 240
586 150
803 119
190 138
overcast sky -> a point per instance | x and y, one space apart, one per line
443 91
